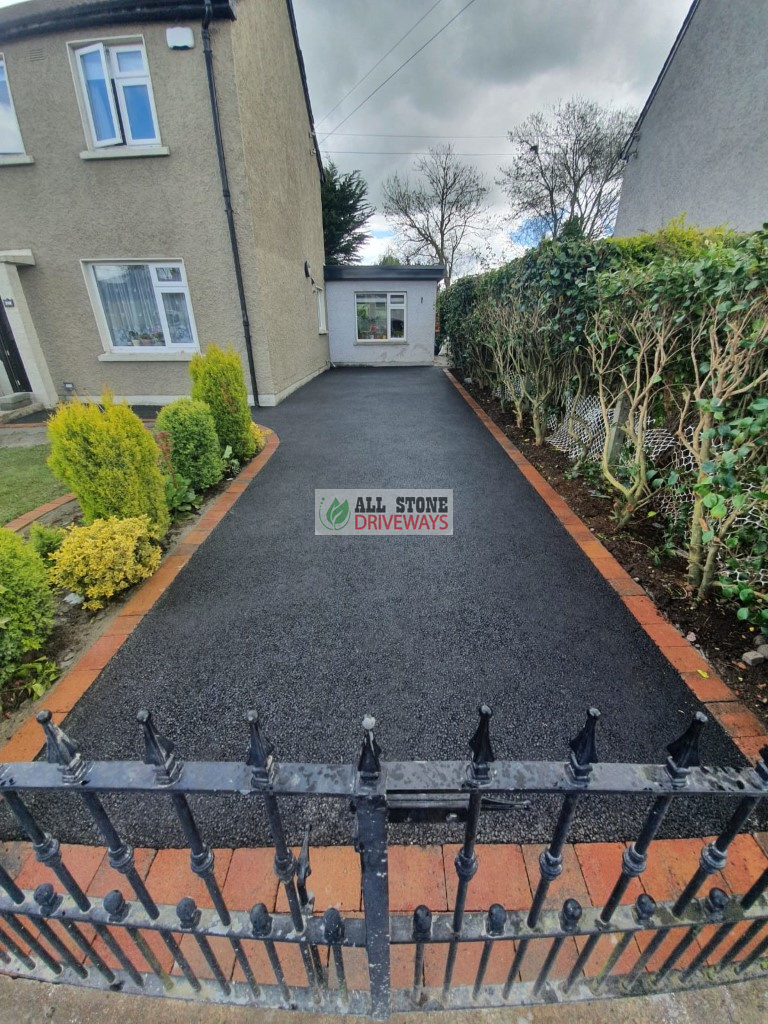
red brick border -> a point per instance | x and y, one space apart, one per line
21 522
26 743
742 726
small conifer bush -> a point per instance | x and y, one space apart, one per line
194 447
218 380
110 461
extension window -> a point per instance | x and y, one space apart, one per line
142 308
380 316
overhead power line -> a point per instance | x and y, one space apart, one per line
397 135
380 61
397 69
397 152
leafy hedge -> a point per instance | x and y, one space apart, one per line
667 330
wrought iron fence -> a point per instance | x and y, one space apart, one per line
620 949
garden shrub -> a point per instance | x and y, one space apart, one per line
218 380
45 539
26 603
194 448
110 461
108 556
259 438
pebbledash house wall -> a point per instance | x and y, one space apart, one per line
346 350
66 209
701 145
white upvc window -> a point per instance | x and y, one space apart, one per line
322 319
380 316
116 92
143 306
10 134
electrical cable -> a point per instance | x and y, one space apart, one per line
380 61
397 69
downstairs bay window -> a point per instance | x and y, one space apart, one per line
143 306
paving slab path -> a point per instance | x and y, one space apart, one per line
315 632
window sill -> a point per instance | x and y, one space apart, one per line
121 152
382 341
15 159
142 355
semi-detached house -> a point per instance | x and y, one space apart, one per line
159 191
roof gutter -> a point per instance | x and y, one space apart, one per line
634 134
208 52
95 13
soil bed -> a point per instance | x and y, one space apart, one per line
720 637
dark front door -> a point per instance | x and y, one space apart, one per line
9 355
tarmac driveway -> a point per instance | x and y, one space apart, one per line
315 632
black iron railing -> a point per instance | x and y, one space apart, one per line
65 936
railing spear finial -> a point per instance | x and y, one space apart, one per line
159 751
260 754
61 749
369 765
684 751
584 748
480 744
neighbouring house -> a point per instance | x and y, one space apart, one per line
700 145
382 316
160 186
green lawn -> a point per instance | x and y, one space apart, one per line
25 481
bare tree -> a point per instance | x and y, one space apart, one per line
567 168
440 216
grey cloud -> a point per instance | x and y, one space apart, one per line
500 61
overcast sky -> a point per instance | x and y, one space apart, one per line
499 61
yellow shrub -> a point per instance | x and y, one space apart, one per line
110 461
259 438
105 558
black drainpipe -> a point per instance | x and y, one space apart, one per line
207 16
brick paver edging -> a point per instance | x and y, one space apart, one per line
27 742
746 731
22 522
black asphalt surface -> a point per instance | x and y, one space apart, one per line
315 632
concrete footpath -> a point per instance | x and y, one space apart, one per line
27 1002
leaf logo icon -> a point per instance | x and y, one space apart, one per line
337 516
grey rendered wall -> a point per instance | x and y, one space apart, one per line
66 209
283 181
419 349
703 146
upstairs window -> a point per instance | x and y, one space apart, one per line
117 95
10 136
